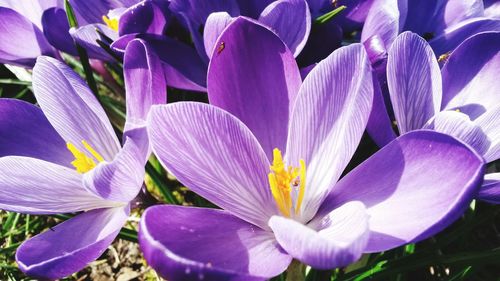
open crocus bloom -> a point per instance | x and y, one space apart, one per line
270 153
461 99
66 158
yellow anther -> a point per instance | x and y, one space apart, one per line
82 162
282 181
444 57
457 110
111 23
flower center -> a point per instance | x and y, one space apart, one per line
111 22
287 184
82 162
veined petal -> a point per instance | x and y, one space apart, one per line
332 241
490 191
470 76
220 159
413 187
21 41
328 120
144 17
186 243
145 83
291 20
414 100
34 186
25 131
86 37
71 245
215 24
71 108
385 19
256 83
56 30
32 10
89 12
489 123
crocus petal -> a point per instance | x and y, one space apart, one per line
87 36
183 67
413 187
335 240
93 11
25 131
71 245
490 191
21 41
144 82
490 125
491 8
216 23
186 243
220 159
385 19
460 126
414 101
56 30
291 20
257 85
71 108
32 10
470 77
35 186
328 120
379 126
458 33
144 17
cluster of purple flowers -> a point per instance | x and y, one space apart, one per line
272 146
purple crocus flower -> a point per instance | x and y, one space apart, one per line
270 151
461 99
66 158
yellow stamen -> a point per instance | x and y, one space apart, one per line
444 57
111 23
281 181
457 110
82 162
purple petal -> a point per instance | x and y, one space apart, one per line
413 187
220 159
253 8
32 10
470 77
21 41
333 241
490 191
56 30
25 131
144 82
379 125
148 16
182 65
460 126
87 36
71 245
92 11
257 85
35 186
385 19
492 8
458 33
72 109
291 20
490 124
414 101
328 120
216 23
186 243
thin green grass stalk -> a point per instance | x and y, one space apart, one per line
329 16
160 183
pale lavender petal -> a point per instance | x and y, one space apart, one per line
71 245
145 17
257 85
335 240
490 191
145 83
21 41
492 8
470 76
34 186
32 10
328 120
413 187
93 11
291 20
220 158
72 109
489 123
186 243
385 19
25 131
86 37
458 33
56 30
414 101
216 23
460 126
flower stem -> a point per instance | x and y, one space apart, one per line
296 271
